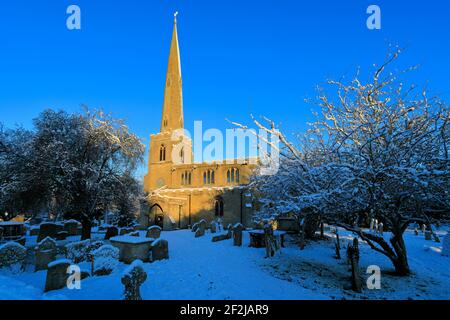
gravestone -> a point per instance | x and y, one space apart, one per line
213 227
62 235
446 245
12 254
237 234
200 232
154 232
125 231
48 229
45 253
111 232
133 277
380 228
57 275
372 222
194 227
160 250
71 227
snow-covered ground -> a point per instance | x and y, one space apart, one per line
201 269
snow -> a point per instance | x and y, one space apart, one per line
135 264
200 269
11 223
131 239
59 261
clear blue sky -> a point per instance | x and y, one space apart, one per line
238 56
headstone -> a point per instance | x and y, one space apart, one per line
111 232
372 222
62 235
125 231
133 277
213 227
45 252
446 245
48 229
237 234
57 275
380 228
194 227
424 228
154 232
427 235
375 225
160 250
200 232
12 254
71 226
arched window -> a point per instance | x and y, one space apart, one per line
218 207
183 179
182 155
162 153
186 178
209 177
165 122
233 175
189 178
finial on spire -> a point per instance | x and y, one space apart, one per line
175 16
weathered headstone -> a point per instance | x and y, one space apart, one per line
154 232
62 235
133 277
160 250
48 229
45 252
372 222
380 228
213 227
194 227
200 232
446 245
71 226
57 275
12 254
111 232
237 234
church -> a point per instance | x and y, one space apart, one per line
180 191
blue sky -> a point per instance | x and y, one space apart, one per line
238 57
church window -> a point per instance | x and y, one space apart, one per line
218 207
182 155
209 177
186 178
162 153
233 175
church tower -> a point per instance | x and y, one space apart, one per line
170 146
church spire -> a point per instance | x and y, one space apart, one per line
172 117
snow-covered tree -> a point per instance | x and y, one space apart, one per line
379 149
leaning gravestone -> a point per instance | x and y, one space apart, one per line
154 232
45 253
160 250
57 275
200 232
111 232
237 234
194 227
446 245
48 229
133 277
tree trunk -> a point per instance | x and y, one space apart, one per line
401 261
86 226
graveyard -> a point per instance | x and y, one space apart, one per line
208 262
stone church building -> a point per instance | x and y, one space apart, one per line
180 191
